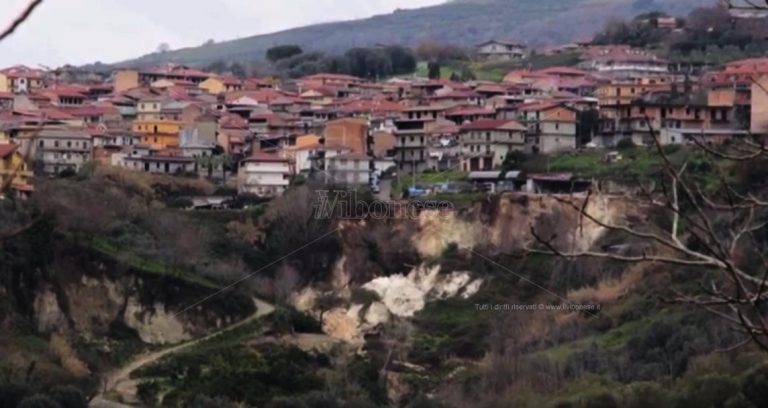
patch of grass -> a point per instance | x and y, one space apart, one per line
495 71
613 340
426 179
638 163
107 248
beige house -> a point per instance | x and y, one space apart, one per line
21 79
54 150
125 80
501 50
217 85
759 115
349 169
551 127
264 175
485 144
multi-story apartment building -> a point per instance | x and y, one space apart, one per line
485 144
759 102
349 169
637 120
495 50
160 134
14 172
623 92
621 61
552 127
412 136
264 174
149 108
411 152
54 150
21 79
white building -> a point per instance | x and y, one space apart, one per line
618 61
485 144
56 149
349 169
501 50
264 174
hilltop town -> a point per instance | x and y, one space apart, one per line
259 134
577 225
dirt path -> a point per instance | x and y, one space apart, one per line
120 381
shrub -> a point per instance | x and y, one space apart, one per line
738 401
755 386
646 394
422 401
179 202
147 391
625 144
39 401
709 391
12 394
601 399
69 397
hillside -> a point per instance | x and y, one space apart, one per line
464 22
415 310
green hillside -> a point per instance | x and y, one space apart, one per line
463 22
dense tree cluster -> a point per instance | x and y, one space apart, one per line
372 63
221 67
705 29
282 52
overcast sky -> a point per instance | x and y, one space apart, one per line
83 31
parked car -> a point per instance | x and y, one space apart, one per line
416 192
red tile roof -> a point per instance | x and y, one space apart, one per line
7 149
19 71
493 124
469 111
265 157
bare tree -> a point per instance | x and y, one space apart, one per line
715 235
20 19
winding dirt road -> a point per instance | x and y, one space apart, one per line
120 382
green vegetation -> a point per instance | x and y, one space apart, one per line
463 70
636 164
281 52
371 63
270 371
426 179
465 22
711 36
